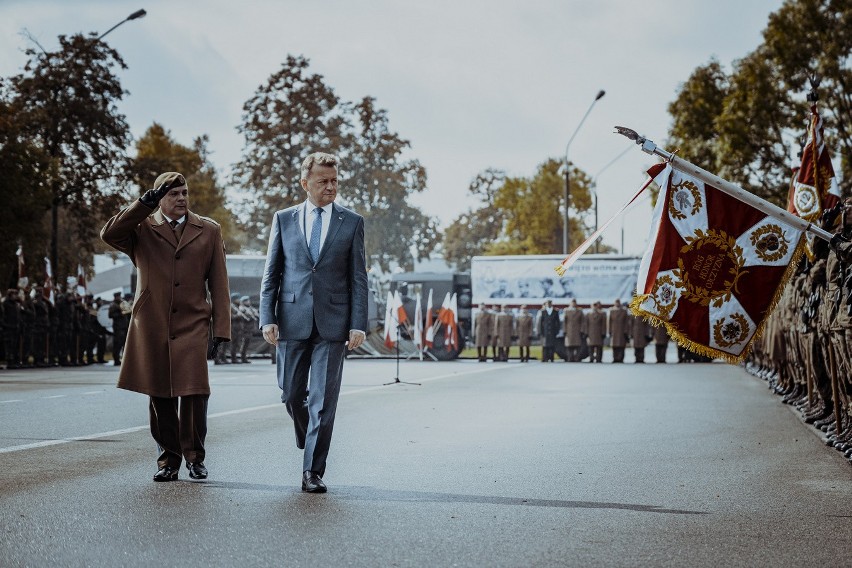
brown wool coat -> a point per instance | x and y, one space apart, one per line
503 329
640 331
574 326
596 327
482 328
618 323
523 328
166 350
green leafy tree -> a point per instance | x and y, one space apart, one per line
520 215
158 152
295 113
379 184
65 103
472 232
26 197
746 124
291 115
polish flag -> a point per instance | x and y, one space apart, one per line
418 327
430 329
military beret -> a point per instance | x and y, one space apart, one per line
171 179
244 298
234 296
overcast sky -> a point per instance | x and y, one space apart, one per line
472 84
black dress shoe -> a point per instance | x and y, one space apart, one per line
197 470
312 483
166 474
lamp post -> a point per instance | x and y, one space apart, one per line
595 192
54 213
565 240
134 16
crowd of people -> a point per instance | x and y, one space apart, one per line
805 352
244 325
38 332
574 334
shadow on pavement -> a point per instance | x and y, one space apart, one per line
356 493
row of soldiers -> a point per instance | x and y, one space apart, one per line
40 333
806 350
581 333
245 323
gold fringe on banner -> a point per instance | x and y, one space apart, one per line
677 335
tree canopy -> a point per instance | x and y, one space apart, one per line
296 113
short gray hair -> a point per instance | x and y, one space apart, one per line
318 159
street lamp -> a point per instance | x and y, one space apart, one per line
134 16
598 97
595 191
54 222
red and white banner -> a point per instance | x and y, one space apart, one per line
430 326
418 327
715 266
814 187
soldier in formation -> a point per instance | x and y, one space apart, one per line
574 326
805 352
617 323
503 323
523 330
249 318
548 329
482 326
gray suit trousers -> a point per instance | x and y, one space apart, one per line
311 406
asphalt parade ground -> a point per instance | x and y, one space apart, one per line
483 464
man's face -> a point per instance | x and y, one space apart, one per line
321 185
847 213
175 203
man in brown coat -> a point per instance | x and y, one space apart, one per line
180 259
617 326
482 332
503 330
574 326
523 329
596 328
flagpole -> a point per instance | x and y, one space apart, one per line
731 189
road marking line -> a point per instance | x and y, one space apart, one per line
16 400
94 392
47 443
56 396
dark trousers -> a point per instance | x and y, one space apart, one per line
597 353
179 435
547 353
573 353
118 339
661 353
639 352
312 409
618 354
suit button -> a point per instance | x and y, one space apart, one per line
313 269
174 311
311 293
177 257
173 337
177 284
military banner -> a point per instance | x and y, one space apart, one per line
715 266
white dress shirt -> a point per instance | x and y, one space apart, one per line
306 219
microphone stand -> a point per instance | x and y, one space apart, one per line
396 380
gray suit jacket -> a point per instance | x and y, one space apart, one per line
295 291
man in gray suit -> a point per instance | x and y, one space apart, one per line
313 299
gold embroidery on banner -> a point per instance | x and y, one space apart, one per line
664 296
807 202
704 260
770 243
684 195
728 333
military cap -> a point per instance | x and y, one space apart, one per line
171 180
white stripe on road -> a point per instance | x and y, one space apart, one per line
94 392
16 400
47 443
56 396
